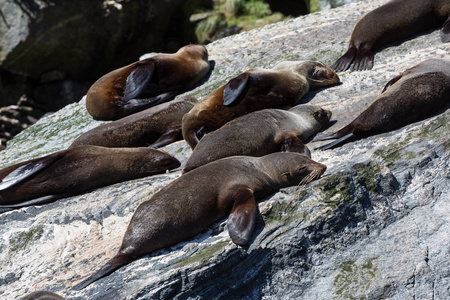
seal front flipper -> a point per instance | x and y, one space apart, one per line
27 170
138 80
170 136
291 143
445 31
235 89
243 215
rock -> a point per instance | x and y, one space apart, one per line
327 4
82 40
376 225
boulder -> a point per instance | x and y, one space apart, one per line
375 226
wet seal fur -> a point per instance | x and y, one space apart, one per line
77 170
260 133
146 83
193 202
415 94
155 127
391 22
256 89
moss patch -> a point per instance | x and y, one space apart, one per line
336 190
204 255
25 238
365 175
353 279
285 211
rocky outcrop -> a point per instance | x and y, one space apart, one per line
376 226
52 41
327 4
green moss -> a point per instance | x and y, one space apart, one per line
365 175
336 189
285 211
204 255
24 239
353 279
314 6
210 26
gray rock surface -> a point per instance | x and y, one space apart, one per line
376 226
327 4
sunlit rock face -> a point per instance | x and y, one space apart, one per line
375 226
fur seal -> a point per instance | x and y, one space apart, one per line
155 127
196 200
77 170
256 89
391 22
146 83
43 295
415 94
260 133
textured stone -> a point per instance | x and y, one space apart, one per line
376 226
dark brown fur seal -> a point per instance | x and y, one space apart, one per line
146 83
415 94
256 89
394 21
77 170
43 295
260 133
193 202
155 127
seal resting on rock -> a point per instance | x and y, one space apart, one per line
77 170
155 127
256 89
415 94
193 202
260 133
394 21
146 83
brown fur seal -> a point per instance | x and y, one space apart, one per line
155 127
394 21
415 94
256 89
260 133
146 83
43 295
77 170
194 201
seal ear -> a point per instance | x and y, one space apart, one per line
445 31
29 169
243 215
138 80
291 143
235 89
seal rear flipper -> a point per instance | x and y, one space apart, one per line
291 143
135 105
37 201
138 80
337 142
168 137
235 89
113 264
343 63
243 215
27 170
363 60
445 31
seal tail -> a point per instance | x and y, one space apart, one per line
113 264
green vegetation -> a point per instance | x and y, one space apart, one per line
25 238
365 175
353 279
205 254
